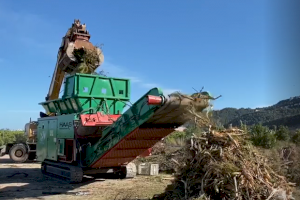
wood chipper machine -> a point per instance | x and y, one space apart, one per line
86 131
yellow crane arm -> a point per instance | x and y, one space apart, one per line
77 37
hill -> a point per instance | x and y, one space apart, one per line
285 112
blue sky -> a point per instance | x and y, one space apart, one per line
175 45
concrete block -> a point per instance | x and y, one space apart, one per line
148 169
143 169
154 169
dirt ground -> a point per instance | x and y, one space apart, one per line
25 181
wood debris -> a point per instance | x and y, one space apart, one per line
88 60
226 166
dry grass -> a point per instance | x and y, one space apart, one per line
285 159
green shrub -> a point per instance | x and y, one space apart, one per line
243 126
20 137
262 136
218 125
176 138
282 133
296 137
179 137
9 136
193 130
176 141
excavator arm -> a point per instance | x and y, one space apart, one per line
77 37
56 82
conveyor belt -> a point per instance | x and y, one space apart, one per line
165 120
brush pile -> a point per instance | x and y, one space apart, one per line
224 165
88 60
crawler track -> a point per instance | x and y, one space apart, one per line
69 173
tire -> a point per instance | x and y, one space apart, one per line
18 153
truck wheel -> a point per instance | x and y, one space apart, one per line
18 153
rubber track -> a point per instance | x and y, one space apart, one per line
75 172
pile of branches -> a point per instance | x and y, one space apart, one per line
88 60
224 165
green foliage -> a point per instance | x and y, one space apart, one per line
193 130
176 138
180 141
262 136
243 126
179 137
177 134
219 126
282 133
20 137
88 60
296 137
9 136
269 137
227 115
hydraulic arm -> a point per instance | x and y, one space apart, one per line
77 37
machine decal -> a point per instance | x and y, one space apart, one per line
65 125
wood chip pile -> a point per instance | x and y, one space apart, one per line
224 165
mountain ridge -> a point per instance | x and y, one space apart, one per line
286 112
